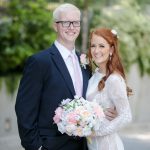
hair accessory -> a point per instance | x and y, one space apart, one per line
114 32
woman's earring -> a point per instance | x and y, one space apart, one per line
110 56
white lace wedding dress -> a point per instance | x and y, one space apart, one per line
113 94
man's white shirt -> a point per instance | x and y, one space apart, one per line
65 53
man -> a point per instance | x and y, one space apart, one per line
48 78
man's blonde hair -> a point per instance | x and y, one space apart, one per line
64 8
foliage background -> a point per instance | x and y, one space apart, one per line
134 29
26 28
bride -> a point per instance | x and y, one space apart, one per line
108 88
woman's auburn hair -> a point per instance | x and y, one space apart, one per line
114 64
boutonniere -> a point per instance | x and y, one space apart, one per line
84 61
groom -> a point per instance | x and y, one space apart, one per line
48 78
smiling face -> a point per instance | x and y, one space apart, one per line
67 35
100 50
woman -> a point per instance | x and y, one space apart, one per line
108 88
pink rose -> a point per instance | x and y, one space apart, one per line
58 113
83 60
72 118
98 111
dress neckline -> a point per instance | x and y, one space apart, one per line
97 70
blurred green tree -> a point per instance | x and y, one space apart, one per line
133 29
25 28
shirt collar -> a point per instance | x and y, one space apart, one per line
63 50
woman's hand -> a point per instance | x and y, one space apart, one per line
110 113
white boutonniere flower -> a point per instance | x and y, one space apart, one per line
84 61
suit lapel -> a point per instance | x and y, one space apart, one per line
59 62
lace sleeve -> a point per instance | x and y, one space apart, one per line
116 90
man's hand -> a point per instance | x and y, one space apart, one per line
111 113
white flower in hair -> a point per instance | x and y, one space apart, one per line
114 32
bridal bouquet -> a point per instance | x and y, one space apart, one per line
78 117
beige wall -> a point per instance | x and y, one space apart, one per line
140 103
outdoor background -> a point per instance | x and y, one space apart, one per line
26 28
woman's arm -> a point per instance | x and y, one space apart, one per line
116 90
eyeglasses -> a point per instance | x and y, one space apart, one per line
68 23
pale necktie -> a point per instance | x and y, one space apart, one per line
78 81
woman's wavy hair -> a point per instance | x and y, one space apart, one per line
114 64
